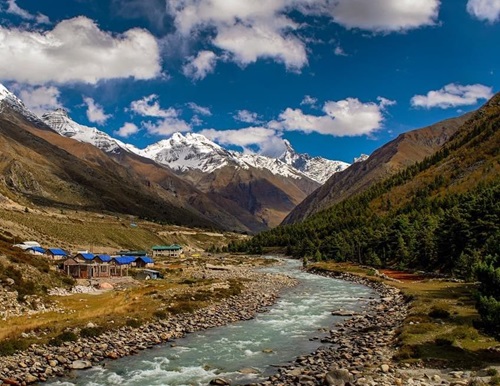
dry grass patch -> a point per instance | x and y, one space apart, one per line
439 327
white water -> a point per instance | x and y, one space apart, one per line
302 312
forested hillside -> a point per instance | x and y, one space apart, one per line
441 215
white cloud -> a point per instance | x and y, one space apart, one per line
245 30
149 107
484 9
339 51
76 50
15 9
169 122
39 99
247 44
246 116
348 117
167 126
309 101
453 95
95 112
199 109
199 66
127 130
384 15
267 140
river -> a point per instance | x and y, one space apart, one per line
287 330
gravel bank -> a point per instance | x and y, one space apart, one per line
40 362
359 351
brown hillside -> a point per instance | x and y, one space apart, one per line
407 149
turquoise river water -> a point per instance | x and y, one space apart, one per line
300 314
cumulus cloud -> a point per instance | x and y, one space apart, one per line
199 66
246 116
166 126
309 101
15 9
348 117
199 109
384 15
170 121
150 107
248 31
76 50
127 130
245 30
268 141
339 51
453 95
39 99
484 9
95 112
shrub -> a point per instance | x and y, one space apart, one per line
135 323
160 314
66 336
10 346
491 372
88 332
439 313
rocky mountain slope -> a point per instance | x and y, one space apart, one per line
230 190
40 167
407 149
258 191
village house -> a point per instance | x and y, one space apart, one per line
38 251
144 262
87 266
56 253
167 250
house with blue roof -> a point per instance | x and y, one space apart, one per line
56 253
36 251
84 257
144 262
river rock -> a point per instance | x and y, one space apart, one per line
249 370
219 382
80 365
338 377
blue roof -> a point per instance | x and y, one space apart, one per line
146 259
36 249
124 259
87 256
57 252
105 258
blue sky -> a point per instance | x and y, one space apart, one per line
335 78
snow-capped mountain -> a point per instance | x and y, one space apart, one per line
190 152
59 121
196 152
361 158
316 168
15 103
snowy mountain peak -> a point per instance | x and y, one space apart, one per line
361 158
59 121
15 103
188 152
317 168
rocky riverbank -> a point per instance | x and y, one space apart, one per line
359 351
40 362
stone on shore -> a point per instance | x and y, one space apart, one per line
81 365
338 377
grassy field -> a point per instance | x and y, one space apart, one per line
131 303
439 328
100 232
